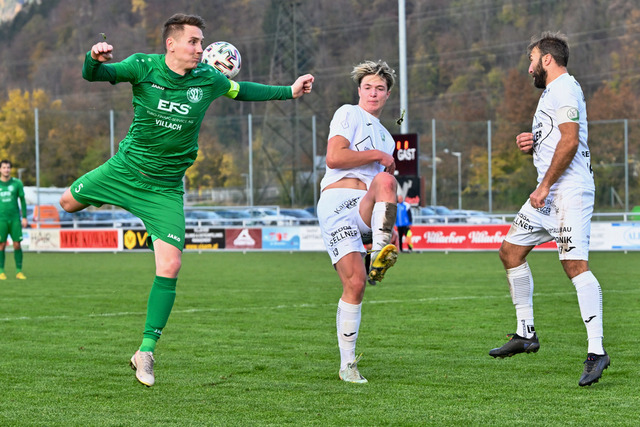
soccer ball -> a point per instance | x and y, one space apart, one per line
223 56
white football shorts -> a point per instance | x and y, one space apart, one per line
343 230
565 218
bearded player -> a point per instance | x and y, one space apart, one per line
560 207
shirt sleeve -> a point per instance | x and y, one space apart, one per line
567 105
249 91
96 71
23 201
343 123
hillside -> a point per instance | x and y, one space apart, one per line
10 8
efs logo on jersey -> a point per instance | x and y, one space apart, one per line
173 107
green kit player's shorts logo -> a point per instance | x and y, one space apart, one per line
194 94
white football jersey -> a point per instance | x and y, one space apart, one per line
364 132
562 102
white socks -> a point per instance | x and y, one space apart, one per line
521 288
383 218
590 301
347 325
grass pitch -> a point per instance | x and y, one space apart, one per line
251 341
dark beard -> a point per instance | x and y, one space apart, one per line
540 76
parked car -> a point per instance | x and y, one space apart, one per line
115 218
202 218
444 213
73 220
475 217
235 217
270 216
303 216
426 215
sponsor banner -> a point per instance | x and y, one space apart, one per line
46 239
311 239
204 238
134 239
463 237
281 238
606 236
243 238
97 239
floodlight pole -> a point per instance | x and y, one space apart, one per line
402 51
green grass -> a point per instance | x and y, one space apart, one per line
251 341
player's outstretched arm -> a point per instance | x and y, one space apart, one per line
302 85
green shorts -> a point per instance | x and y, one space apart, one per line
158 204
12 227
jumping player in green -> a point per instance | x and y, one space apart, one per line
11 190
171 93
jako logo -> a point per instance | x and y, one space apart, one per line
78 188
632 235
174 237
173 107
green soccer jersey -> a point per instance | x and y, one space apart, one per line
162 141
10 192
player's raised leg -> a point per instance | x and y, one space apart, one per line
379 204
159 306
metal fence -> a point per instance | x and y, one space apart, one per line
280 160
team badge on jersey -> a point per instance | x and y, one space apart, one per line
573 114
194 94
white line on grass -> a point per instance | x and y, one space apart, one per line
290 306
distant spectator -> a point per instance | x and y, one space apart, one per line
403 223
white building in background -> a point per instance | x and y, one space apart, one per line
48 195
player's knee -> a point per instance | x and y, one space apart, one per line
509 257
387 182
354 287
66 203
173 267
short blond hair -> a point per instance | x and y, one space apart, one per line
379 68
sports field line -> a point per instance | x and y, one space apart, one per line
294 306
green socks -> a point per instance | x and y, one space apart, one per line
17 254
161 298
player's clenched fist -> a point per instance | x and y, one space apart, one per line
102 51
524 141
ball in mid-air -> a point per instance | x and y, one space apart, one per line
223 56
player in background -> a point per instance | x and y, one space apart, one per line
561 206
404 219
171 93
358 202
11 220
